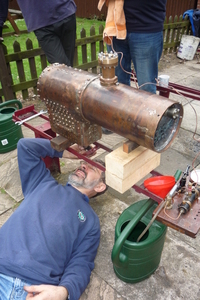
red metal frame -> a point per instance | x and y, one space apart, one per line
179 89
175 89
44 131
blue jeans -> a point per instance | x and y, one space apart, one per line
12 288
145 50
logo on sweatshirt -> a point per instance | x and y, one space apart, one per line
81 216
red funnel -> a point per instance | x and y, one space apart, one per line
160 185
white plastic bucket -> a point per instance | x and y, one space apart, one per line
188 47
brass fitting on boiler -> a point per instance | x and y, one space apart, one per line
108 63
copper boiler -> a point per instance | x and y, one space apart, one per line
79 103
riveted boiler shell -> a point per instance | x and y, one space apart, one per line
137 115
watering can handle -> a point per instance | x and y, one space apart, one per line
118 258
10 102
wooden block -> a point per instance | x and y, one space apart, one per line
123 170
60 143
129 146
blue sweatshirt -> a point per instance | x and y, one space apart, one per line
53 236
144 16
41 13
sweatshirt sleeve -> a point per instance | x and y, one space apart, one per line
32 168
77 272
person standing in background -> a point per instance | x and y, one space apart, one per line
3 15
54 24
143 44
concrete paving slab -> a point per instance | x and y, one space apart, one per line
185 144
178 274
10 179
191 81
191 117
6 201
27 132
179 268
5 215
187 70
112 140
4 157
197 103
180 98
99 289
177 73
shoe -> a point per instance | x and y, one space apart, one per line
106 131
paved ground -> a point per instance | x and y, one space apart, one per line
178 274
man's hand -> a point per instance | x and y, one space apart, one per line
79 149
46 292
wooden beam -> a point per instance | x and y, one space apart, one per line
60 143
12 22
123 170
129 146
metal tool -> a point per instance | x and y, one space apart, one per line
184 178
167 202
32 117
186 205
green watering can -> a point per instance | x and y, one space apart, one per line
135 261
10 132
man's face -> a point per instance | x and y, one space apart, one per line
86 176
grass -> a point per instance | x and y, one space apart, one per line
2 191
21 39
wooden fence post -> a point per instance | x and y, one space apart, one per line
20 69
5 77
93 49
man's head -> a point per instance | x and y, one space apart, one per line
88 179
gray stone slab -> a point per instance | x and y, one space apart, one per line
178 274
183 71
179 98
98 289
176 74
112 140
4 157
171 161
179 268
191 81
6 202
10 179
193 242
191 117
27 133
4 217
185 144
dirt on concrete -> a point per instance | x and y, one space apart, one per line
169 60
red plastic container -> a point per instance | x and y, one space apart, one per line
160 185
